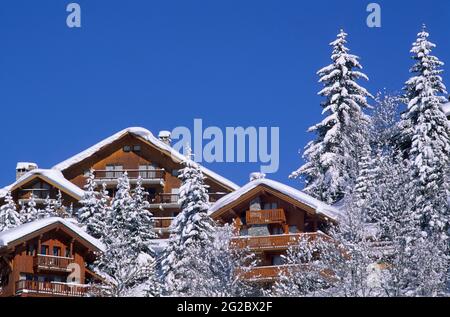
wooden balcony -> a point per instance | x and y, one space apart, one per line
162 223
50 289
52 263
261 217
148 176
275 242
263 273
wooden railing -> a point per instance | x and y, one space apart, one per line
283 241
162 222
264 273
53 263
51 288
260 217
132 174
164 198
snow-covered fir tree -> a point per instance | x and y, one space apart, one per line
426 133
302 275
190 230
29 212
49 209
9 217
143 231
60 209
89 201
97 223
331 164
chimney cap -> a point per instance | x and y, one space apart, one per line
26 166
164 134
257 175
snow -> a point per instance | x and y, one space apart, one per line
320 207
147 136
50 175
9 236
26 165
446 109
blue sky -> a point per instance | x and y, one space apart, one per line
160 64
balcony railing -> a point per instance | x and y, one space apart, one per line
264 273
260 217
52 263
164 198
274 242
162 222
147 174
51 289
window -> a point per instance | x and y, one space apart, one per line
114 171
31 249
277 230
175 173
68 255
277 260
175 195
127 148
44 249
136 148
147 171
56 251
293 229
270 206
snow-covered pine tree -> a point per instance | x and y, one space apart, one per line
89 201
9 217
191 229
49 209
302 274
60 209
350 254
331 164
426 133
96 224
143 223
125 262
29 212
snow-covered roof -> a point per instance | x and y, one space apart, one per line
9 236
26 165
317 205
53 177
446 109
146 135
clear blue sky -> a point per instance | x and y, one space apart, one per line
160 64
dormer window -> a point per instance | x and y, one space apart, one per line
127 148
136 148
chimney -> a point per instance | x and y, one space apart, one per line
164 136
23 168
257 175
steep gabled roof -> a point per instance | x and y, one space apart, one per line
31 229
53 177
150 139
320 207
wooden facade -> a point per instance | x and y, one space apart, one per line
51 261
267 223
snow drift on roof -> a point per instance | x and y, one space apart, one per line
147 136
54 176
14 234
320 207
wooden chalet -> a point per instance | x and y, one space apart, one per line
269 218
134 150
47 258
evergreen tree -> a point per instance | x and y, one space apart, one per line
427 133
29 212
49 209
89 201
332 159
9 217
60 209
97 223
191 229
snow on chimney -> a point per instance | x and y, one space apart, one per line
257 175
23 168
165 136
